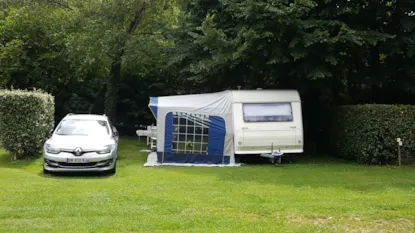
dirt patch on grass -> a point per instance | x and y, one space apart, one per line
356 224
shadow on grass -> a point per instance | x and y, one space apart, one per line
311 172
129 151
128 154
291 159
76 175
7 162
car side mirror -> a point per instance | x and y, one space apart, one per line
116 134
51 132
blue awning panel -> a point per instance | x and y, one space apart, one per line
216 138
168 133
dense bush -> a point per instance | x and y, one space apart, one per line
26 117
367 133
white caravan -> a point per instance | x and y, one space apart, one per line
267 120
209 129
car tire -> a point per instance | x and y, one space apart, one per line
113 170
46 172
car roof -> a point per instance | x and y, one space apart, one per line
86 117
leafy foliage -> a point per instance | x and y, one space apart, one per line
334 53
67 48
26 117
287 43
118 34
273 42
368 133
33 48
93 58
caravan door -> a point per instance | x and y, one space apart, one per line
265 127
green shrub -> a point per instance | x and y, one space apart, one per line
26 117
367 133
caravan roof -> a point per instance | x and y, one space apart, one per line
237 96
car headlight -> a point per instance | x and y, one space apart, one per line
105 149
51 149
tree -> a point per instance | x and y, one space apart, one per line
116 25
33 47
115 70
86 44
332 52
274 43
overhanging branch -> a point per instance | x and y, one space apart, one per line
137 18
59 3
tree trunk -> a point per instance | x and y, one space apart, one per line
114 78
111 95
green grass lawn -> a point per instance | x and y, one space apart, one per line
306 196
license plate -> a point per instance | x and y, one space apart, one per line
77 160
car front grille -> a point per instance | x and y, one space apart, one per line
99 164
63 164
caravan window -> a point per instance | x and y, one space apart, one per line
269 112
190 134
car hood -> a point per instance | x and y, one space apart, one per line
84 142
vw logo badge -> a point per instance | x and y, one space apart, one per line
78 151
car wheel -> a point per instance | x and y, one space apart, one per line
114 169
46 172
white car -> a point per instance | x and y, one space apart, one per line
82 142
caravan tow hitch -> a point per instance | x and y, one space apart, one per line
275 157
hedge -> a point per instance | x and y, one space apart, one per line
367 133
26 117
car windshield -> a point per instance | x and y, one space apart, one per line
83 127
